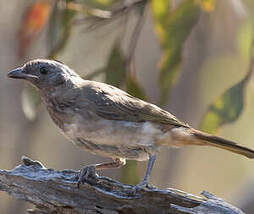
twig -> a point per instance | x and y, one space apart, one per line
100 19
82 8
56 192
133 42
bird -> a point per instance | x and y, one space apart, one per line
109 122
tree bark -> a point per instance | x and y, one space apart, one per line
54 191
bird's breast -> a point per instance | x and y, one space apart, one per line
59 112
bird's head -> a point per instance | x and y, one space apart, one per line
44 74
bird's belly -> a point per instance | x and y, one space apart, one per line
140 153
115 139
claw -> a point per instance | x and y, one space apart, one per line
142 185
86 174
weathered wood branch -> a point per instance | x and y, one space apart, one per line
54 191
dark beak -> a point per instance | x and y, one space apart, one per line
18 73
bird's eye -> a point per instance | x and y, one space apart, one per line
43 71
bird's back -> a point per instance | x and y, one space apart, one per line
112 103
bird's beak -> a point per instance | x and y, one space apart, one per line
18 73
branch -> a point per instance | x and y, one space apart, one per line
103 17
56 192
134 40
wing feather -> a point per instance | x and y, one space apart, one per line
112 103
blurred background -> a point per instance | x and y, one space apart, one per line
194 58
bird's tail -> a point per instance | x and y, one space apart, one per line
222 143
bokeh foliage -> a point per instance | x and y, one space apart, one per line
225 108
173 28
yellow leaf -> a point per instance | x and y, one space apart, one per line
160 8
206 5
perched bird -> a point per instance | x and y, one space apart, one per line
109 122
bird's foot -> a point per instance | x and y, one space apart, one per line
87 174
142 185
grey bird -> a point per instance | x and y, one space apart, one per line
109 122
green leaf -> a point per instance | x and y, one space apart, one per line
30 101
115 69
134 89
130 173
173 28
226 108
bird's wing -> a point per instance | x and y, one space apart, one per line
112 103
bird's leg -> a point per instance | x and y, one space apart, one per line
148 171
90 171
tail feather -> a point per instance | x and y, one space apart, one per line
224 144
